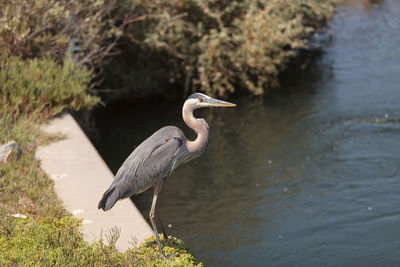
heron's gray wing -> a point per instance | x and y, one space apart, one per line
152 170
149 163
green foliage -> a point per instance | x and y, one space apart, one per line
36 28
42 85
148 253
58 242
217 46
24 187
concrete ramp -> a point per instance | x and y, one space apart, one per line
80 178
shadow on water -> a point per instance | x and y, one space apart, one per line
307 176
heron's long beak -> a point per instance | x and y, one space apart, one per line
219 103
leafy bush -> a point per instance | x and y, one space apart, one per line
42 85
37 28
215 46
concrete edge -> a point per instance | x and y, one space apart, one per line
80 178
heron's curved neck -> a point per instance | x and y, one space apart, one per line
200 127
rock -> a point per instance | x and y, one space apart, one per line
7 149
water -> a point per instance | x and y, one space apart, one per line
309 176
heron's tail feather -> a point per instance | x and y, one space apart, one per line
109 198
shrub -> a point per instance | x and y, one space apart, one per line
32 28
42 85
216 46
257 46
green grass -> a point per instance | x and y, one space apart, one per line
49 235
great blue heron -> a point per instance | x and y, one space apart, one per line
158 156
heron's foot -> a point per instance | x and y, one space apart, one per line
167 257
168 241
172 242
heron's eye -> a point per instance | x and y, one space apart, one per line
200 99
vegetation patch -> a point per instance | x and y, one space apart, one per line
216 47
38 28
43 86
49 241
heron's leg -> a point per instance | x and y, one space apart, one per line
157 189
158 219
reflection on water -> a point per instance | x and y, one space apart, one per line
306 177
357 4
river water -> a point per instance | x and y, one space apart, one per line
307 176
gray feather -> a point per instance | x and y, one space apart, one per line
108 200
152 160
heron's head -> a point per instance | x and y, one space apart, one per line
198 100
